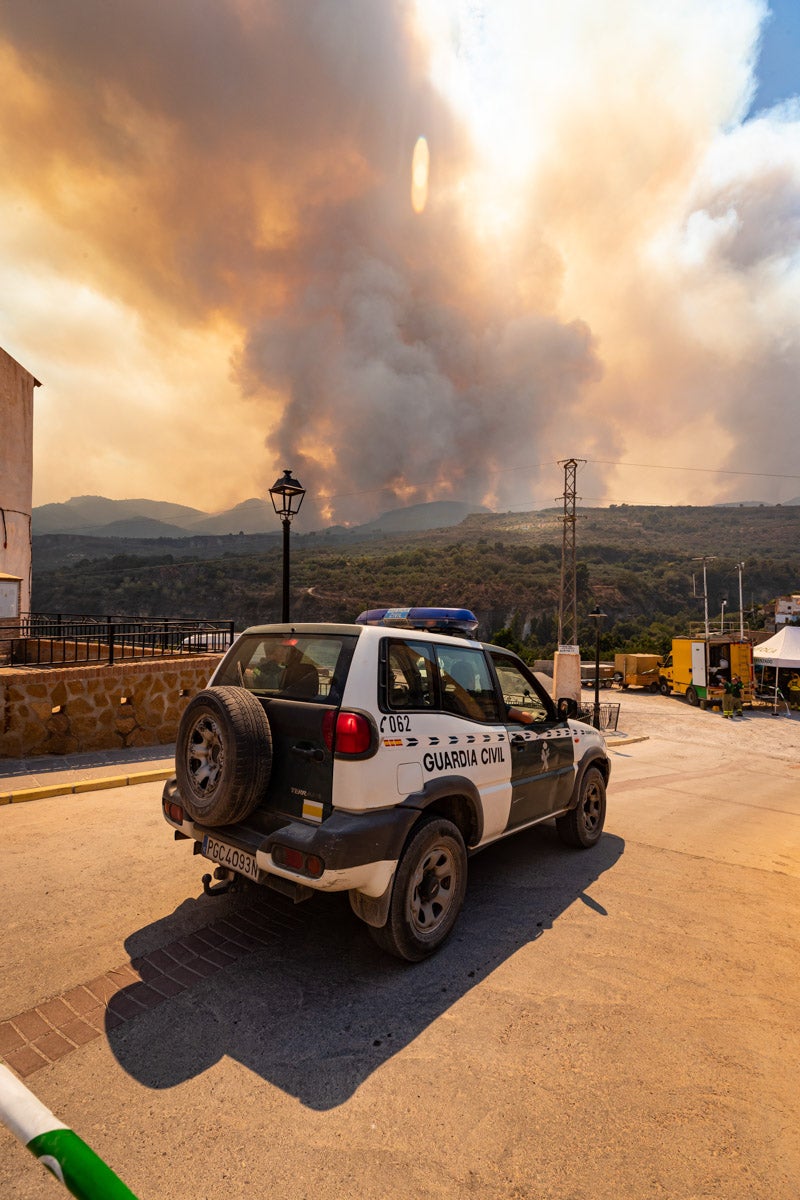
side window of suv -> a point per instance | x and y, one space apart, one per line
518 692
411 675
467 687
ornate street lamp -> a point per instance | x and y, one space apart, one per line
597 616
287 496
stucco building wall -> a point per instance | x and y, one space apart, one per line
16 472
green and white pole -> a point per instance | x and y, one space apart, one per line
57 1147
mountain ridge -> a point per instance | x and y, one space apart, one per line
97 516
142 519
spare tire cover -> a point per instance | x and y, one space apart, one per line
223 755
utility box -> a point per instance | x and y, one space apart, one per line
9 596
9 615
638 670
698 668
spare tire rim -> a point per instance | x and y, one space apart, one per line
205 755
432 889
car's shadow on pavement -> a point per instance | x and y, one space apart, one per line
318 1008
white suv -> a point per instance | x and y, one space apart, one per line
374 758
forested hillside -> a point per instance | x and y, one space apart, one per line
636 563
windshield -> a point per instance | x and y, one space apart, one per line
290 666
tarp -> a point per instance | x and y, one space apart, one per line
781 650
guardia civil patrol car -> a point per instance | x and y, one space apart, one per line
374 758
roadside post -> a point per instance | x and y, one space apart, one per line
597 617
58 1149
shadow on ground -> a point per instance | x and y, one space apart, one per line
320 1007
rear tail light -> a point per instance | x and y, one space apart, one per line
347 732
173 811
296 860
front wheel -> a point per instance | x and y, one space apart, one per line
428 891
665 688
582 826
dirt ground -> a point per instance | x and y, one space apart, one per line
666 718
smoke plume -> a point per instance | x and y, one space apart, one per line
210 256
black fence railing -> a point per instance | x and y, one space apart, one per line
609 715
64 639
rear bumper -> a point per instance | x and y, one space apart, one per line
359 850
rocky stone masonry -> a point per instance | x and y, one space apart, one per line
66 710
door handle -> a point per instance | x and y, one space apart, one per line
309 753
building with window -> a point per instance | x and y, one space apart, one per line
16 485
787 611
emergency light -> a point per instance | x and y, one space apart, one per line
433 620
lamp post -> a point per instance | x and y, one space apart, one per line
722 616
597 616
286 494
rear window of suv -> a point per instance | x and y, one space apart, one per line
293 667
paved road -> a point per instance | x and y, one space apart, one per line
619 1023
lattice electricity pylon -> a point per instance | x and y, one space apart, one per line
568 600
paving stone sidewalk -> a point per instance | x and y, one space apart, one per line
56 774
57 1026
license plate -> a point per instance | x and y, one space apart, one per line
230 856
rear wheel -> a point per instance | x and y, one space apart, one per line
692 697
223 755
582 826
427 893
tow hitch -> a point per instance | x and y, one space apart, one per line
228 882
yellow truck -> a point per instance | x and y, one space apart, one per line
698 667
638 670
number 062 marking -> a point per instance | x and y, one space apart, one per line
396 724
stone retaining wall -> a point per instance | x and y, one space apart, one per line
65 710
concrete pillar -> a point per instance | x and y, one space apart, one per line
567 674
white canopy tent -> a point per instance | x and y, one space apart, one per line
781 651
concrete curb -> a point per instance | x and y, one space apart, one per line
84 785
612 743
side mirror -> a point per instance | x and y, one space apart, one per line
567 707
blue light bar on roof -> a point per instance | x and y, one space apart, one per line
436 620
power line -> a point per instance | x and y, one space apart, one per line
604 462
607 462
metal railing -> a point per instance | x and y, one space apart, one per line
68 639
609 715
730 628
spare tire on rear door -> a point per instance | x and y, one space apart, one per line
223 755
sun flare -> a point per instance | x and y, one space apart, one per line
477 63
